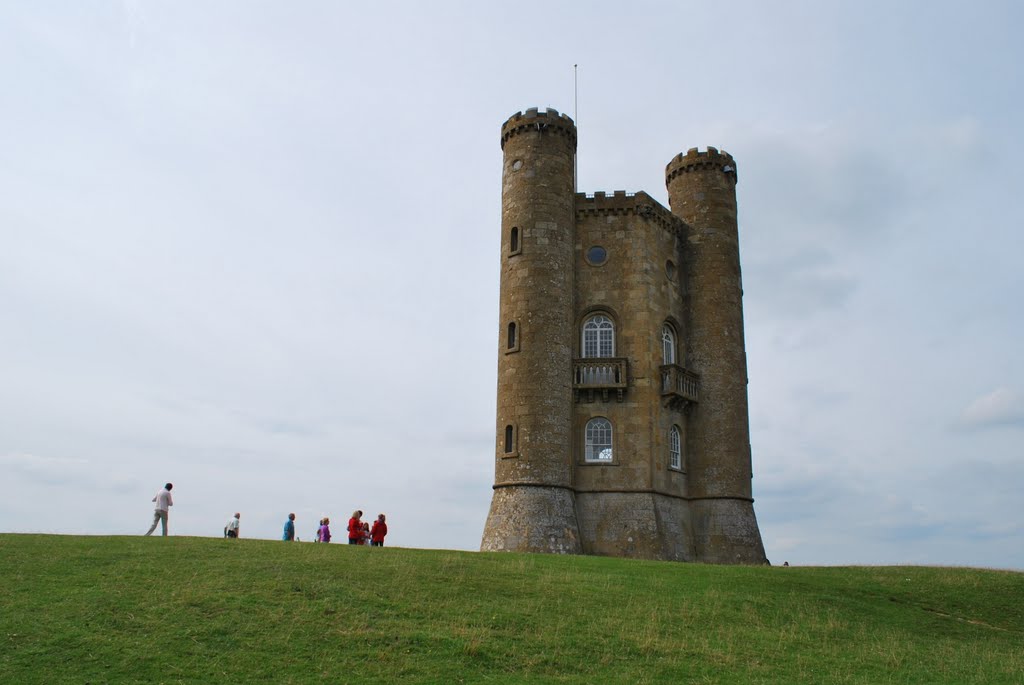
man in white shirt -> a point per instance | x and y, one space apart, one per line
163 502
231 530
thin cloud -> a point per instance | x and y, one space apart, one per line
816 205
33 470
802 284
1001 408
44 469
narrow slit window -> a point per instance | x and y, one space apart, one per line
513 340
513 241
668 344
508 439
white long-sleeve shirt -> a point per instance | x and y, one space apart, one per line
163 500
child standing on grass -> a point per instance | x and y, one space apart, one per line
325 531
377 533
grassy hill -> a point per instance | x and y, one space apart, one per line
193 610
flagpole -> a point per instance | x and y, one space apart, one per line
576 118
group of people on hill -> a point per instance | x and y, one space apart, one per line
359 531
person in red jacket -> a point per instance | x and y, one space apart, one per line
355 527
379 530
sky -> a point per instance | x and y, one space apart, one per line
252 248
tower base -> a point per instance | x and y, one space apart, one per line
636 525
725 532
532 518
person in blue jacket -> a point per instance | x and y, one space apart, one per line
289 529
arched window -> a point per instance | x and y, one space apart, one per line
668 345
598 440
598 337
513 241
512 340
675 459
508 439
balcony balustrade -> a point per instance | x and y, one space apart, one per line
599 375
679 386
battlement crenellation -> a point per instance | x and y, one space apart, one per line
535 120
697 160
621 203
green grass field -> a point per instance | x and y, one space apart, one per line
194 610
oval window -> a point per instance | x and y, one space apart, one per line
597 255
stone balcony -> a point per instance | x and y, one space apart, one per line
679 387
599 377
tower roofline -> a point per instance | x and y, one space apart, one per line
535 120
622 203
695 160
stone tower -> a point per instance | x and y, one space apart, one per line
534 507
622 408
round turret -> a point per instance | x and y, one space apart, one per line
702 192
694 160
533 507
